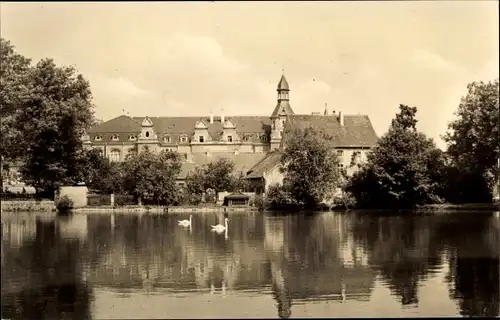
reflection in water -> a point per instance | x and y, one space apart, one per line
42 273
341 262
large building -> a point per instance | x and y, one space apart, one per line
252 142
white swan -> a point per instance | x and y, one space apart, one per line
186 223
220 228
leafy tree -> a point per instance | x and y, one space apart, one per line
15 91
403 170
218 175
310 166
50 121
195 181
239 183
151 175
100 173
473 140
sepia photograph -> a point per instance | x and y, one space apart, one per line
239 159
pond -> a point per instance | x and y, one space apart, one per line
355 264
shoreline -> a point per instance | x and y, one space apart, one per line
179 209
48 206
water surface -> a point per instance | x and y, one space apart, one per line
125 266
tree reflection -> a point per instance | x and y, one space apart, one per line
474 266
403 249
43 278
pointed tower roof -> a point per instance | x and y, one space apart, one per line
283 84
282 109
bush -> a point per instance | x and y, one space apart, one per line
64 204
195 199
277 196
258 201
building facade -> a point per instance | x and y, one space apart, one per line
251 142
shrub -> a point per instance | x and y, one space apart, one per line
258 201
277 196
64 204
195 199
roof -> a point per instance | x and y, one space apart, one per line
237 196
283 84
282 108
357 130
174 127
266 164
242 162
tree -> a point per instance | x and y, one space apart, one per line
310 166
100 173
473 139
403 170
152 176
53 119
239 183
15 90
195 181
218 175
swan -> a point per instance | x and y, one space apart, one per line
220 228
186 223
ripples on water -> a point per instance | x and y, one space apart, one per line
320 265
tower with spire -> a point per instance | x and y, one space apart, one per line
280 112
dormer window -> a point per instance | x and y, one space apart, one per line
115 137
246 137
201 139
98 138
132 137
166 139
230 138
183 139
263 138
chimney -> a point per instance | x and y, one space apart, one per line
211 117
341 118
222 116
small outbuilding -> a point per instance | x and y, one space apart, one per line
236 199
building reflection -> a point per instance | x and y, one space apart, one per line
327 257
43 277
307 261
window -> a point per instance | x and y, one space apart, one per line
166 139
263 138
201 138
183 139
132 137
147 134
230 138
246 137
281 134
114 155
283 122
340 153
115 137
98 138
340 166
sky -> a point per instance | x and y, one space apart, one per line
193 58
